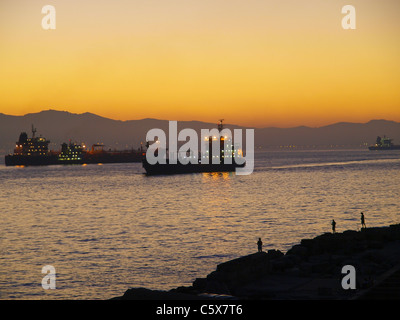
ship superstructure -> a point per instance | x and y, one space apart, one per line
384 143
71 153
226 147
35 146
31 151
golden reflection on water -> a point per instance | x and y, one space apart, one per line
217 175
107 228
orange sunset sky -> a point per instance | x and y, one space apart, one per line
255 62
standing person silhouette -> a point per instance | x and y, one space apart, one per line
333 226
363 225
259 245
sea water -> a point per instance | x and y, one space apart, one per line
107 228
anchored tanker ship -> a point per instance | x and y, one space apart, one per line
34 151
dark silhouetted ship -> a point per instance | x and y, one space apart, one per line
227 150
35 152
31 152
384 144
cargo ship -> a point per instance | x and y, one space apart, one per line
35 151
197 165
384 144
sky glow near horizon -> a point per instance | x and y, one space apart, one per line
254 63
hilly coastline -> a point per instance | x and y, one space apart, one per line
63 126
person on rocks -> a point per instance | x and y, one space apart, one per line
333 226
363 225
259 245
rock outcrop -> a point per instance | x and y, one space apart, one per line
311 269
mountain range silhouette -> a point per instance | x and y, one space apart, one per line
63 126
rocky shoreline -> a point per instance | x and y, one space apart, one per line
310 270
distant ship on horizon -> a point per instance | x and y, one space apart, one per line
35 151
384 144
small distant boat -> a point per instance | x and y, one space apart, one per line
384 144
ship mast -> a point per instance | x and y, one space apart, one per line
220 125
33 132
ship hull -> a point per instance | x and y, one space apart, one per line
21 160
178 168
105 157
394 147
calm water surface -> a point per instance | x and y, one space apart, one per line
106 228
